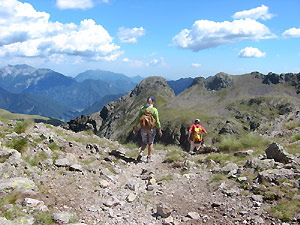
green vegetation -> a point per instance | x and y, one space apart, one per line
130 145
233 143
11 213
218 177
35 160
291 125
166 178
45 218
18 144
53 146
21 127
175 156
5 116
133 154
286 210
296 137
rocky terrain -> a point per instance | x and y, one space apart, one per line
49 175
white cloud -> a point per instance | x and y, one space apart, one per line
74 4
24 32
250 52
155 62
256 13
293 32
134 63
209 34
196 64
127 35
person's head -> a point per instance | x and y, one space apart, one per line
150 100
197 121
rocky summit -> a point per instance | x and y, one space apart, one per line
49 175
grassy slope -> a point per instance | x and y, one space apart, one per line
6 115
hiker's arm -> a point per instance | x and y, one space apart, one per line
156 117
136 122
204 130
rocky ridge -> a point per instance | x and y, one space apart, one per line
54 176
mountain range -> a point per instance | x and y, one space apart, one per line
45 92
25 89
226 104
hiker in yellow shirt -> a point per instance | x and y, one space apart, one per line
148 117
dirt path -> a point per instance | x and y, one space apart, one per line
180 191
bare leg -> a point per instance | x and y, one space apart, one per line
192 146
143 147
150 149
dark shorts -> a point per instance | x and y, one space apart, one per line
148 136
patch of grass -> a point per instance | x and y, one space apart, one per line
44 218
132 154
229 143
253 140
293 148
175 156
53 146
130 145
291 125
18 144
21 127
286 210
218 177
33 161
296 137
166 178
88 161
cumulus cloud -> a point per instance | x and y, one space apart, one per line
24 32
209 34
293 32
74 4
127 35
250 52
134 63
196 64
256 13
156 62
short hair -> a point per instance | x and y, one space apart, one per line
150 100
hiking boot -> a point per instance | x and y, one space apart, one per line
149 159
140 156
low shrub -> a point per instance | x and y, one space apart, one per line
18 144
175 156
21 127
286 210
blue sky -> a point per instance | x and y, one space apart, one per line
170 38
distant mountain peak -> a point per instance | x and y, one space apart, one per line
16 70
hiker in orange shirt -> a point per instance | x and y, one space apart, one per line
195 135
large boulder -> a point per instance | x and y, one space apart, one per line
276 152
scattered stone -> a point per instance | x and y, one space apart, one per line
276 174
168 221
94 209
244 153
131 197
104 184
35 204
130 187
193 215
64 217
76 167
242 179
260 164
216 204
20 184
257 198
163 211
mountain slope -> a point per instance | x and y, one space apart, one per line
180 85
115 119
226 104
34 105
